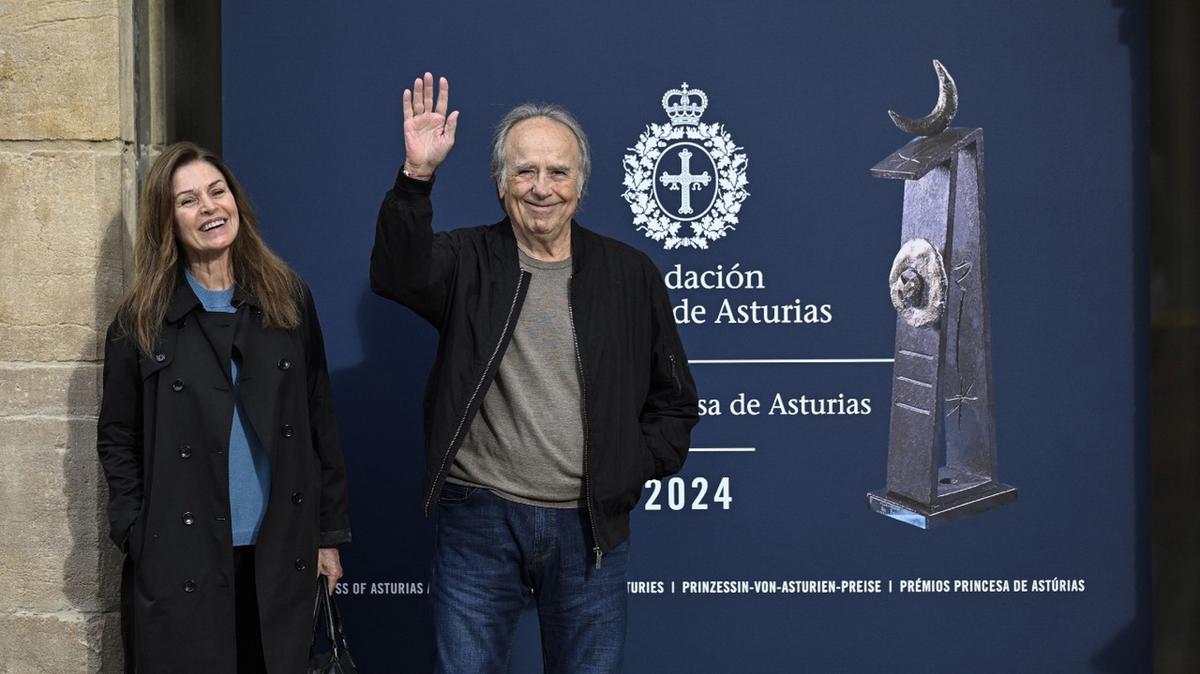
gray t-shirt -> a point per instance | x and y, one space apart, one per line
526 442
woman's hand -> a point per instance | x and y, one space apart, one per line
428 131
329 564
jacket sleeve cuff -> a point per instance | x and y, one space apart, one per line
405 186
332 539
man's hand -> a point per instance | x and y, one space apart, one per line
428 131
329 564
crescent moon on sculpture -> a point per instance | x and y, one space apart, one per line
937 120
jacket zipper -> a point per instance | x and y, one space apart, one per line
674 377
508 322
587 480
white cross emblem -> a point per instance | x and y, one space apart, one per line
684 181
695 223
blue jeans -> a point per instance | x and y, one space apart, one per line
493 557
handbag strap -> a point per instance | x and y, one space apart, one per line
323 614
325 610
335 623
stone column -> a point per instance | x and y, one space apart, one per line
69 160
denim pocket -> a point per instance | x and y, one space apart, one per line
453 494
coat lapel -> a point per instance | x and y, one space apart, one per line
218 332
259 404
183 302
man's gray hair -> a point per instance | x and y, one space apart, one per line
529 111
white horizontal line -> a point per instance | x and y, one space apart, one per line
722 449
788 361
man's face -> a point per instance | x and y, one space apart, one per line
541 186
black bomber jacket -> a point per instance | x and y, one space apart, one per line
639 400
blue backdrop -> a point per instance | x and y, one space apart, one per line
312 127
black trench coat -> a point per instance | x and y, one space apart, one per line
163 438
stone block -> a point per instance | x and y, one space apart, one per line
32 643
60 70
62 250
52 499
50 342
50 389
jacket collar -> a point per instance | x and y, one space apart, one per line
183 300
505 244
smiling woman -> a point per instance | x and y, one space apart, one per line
227 487
206 220
188 189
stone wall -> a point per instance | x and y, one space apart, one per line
68 168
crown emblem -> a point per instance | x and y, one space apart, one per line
685 181
684 106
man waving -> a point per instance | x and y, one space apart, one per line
559 387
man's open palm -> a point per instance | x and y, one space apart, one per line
428 130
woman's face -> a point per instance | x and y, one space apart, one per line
206 215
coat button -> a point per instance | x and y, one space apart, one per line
185 451
287 430
300 565
177 385
189 519
285 364
297 497
189 586
160 357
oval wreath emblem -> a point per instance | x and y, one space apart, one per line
721 216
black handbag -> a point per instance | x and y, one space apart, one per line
327 627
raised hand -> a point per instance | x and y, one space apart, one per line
428 131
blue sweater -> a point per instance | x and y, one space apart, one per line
249 469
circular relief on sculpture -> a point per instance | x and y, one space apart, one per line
918 283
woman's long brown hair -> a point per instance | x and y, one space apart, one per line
157 254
